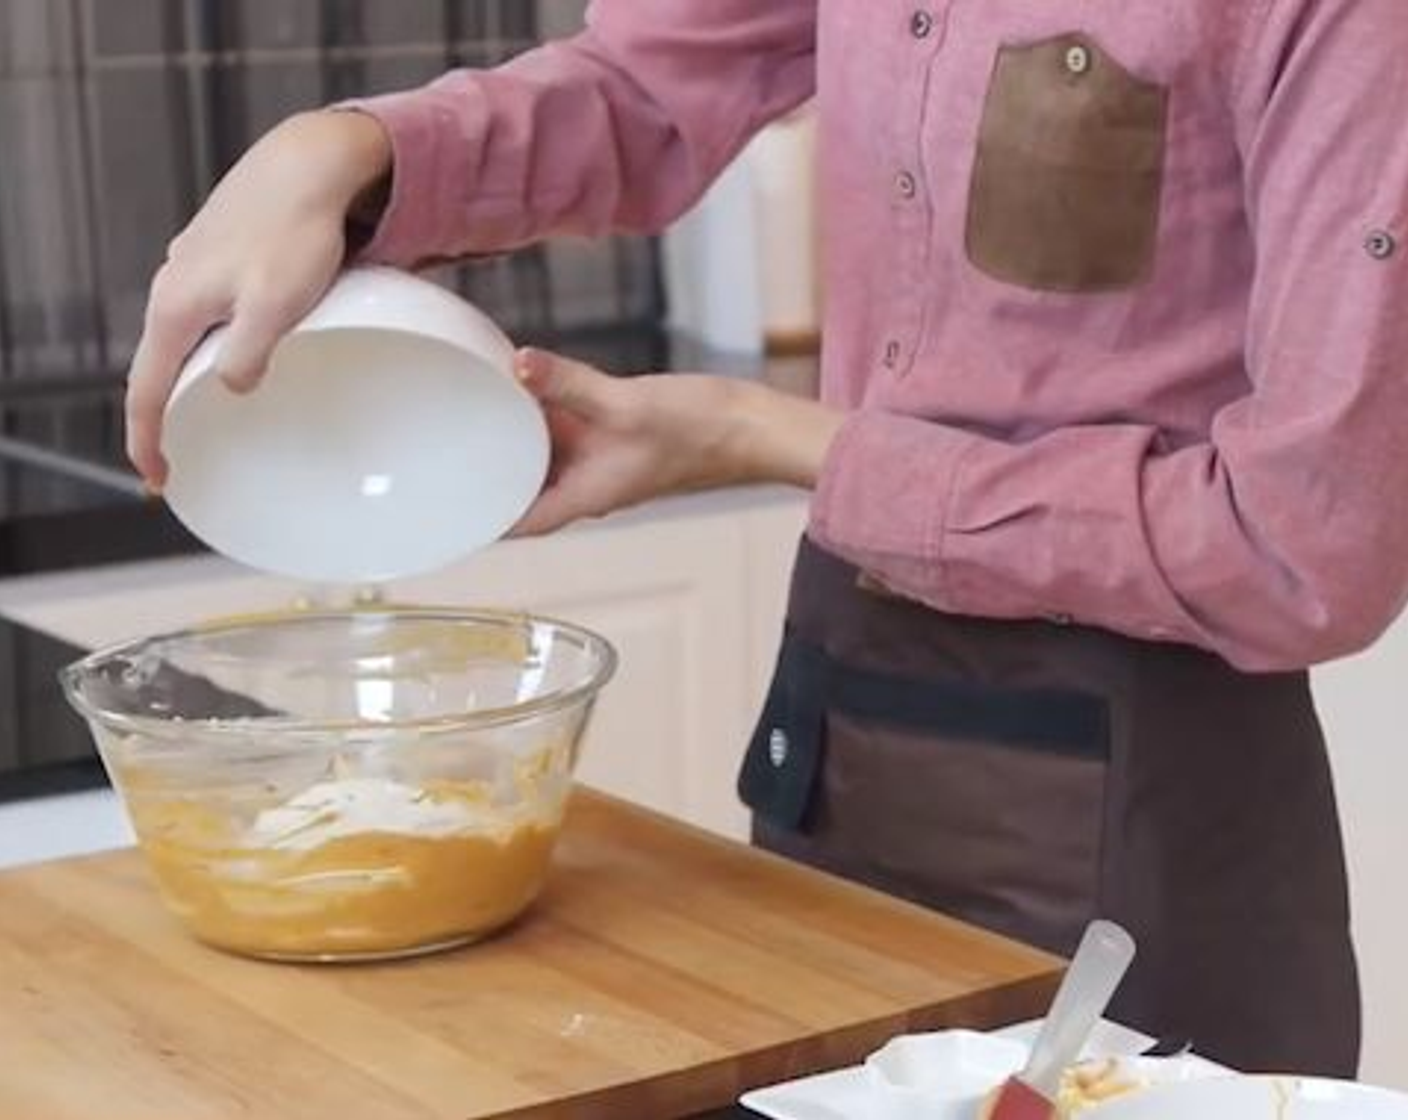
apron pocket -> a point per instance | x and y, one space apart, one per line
981 801
1069 170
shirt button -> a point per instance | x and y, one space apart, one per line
1380 244
1078 59
892 353
905 184
921 24
778 747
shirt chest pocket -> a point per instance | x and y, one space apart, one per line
1069 169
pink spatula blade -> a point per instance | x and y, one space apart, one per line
1017 1100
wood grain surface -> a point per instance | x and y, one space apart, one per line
663 972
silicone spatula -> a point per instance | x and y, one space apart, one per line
1095 972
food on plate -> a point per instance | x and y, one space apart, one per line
1090 1083
1083 1086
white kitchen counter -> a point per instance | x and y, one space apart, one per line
68 824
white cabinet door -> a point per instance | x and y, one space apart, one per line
771 540
668 595
694 605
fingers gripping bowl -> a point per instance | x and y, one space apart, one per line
346 784
388 437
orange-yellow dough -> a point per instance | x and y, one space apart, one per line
361 893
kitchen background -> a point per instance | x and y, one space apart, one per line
115 118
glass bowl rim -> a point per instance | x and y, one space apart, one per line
604 664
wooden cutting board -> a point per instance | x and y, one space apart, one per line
663 972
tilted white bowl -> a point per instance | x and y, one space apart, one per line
389 437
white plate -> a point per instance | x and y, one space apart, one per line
1259 1098
846 1094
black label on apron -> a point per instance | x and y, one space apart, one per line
784 756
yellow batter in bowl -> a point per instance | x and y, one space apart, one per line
326 881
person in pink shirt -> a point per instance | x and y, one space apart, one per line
1109 448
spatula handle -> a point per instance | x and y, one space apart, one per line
1095 972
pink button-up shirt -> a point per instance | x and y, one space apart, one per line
1117 290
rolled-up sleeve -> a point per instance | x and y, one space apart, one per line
621 127
1280 540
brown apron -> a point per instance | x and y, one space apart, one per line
1030 776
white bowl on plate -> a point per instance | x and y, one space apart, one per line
943 1075
1258 1098
389 437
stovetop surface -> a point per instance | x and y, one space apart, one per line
54 519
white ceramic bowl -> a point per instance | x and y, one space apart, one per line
943 1075
1258 1098
389 437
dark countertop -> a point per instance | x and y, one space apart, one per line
45 747
113 532
67 498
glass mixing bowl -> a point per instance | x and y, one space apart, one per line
342 785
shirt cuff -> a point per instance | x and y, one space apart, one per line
883 497
414 226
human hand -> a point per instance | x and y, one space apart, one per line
260 252
617 442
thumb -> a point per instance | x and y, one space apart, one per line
563 383
548 513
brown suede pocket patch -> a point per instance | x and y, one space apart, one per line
1069 169
1009 835
1005 835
